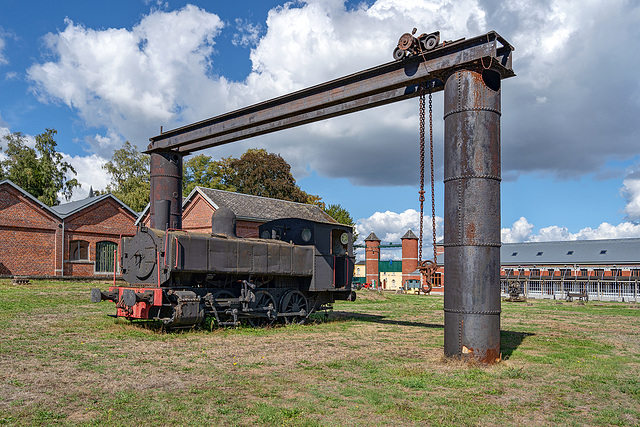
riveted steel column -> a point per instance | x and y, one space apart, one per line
166 190
472 215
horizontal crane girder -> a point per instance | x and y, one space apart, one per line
385 84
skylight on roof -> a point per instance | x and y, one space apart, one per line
602 252
539 254
514 254
570 253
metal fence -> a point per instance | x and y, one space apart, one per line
623 289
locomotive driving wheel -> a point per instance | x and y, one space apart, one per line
264 303
294 302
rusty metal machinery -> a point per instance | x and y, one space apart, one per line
410 46
472 214
469 71
296 268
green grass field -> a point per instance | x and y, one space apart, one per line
377 361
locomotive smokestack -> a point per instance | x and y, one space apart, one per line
223 221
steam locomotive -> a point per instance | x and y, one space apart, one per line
295 268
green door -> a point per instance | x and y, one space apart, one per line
105 256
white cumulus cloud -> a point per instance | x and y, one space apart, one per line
130 81
631 192
522 231
391 226
90 174
248 33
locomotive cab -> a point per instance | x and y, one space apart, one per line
333 258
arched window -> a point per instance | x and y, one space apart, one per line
78 250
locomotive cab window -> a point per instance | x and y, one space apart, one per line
339 242
78 250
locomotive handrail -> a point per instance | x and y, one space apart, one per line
166 243
177 253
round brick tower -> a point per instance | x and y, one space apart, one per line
372 259
409 256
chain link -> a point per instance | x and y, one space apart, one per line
421 192
433 189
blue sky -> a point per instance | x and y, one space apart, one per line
105 72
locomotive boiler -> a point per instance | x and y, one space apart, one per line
295 267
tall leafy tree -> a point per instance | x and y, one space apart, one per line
40 170
129 172
264 174
202 171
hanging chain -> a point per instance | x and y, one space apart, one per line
421 192
433 189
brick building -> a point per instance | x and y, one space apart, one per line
72 239
603 269
394 275
251 211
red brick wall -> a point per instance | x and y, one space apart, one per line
372 258
409 258
105 218
196 216
27 235
103 221
31 236
248 228
80 268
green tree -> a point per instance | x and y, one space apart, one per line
40 171
202 171
129 172
315 200
340 214
262 174
343 216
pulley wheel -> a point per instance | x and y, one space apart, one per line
398 54
405 42
430 42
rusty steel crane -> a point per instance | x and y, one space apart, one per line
469 71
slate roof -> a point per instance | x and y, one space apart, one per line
610 251
409 235
256 208
65 210
372 238
584 252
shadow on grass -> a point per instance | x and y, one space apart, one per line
374 318
510 341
